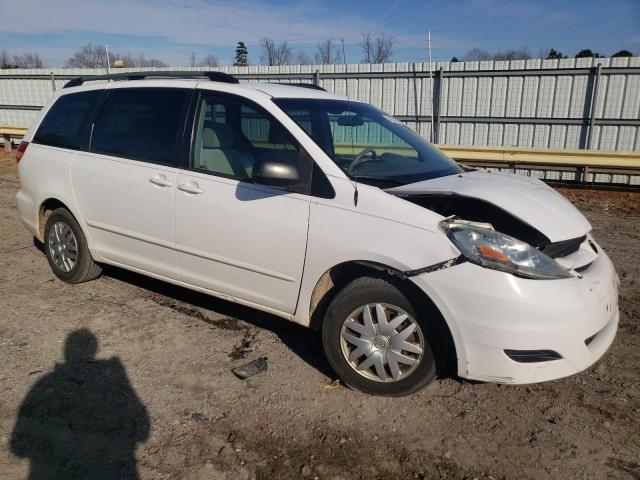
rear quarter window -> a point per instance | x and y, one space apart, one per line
66 124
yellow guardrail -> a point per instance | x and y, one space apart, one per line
514 156
12 131
8 132
495 155
543 156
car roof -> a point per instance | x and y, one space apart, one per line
283 90
275 90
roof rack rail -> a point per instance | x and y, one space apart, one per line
213 76
312 86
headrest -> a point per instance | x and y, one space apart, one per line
278 135
217 135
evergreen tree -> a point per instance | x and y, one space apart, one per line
241 55
623 53
587 53
554 54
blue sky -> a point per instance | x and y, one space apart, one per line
172 29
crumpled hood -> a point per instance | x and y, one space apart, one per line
528 199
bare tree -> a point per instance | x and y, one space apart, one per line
27 60
131 61
513 54
128 60
5 60
384 48
91 56
479 54
153 62
367 47
328 53
378 49
208 61
303 59
275 54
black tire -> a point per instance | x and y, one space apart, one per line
84 268
364 291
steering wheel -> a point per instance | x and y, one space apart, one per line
358 160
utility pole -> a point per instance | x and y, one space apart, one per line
106 49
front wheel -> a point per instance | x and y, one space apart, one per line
67 250
375 340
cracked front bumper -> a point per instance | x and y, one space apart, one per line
489 312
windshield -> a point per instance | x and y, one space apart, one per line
366 143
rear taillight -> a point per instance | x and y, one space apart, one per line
21 149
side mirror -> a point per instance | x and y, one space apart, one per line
276 173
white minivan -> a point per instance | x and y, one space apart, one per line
327 212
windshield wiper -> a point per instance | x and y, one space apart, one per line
389 182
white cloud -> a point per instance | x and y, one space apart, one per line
184 21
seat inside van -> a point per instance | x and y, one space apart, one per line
218 151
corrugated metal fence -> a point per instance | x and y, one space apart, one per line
585 103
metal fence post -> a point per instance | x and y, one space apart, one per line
415 98
437 101
53 82
316 78
593 106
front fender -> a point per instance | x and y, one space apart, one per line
339 235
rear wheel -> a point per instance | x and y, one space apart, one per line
376 340
67 250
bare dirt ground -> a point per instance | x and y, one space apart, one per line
292 421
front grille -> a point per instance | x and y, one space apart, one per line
564 247
532 356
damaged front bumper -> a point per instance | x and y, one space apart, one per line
492 314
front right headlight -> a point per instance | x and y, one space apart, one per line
490 249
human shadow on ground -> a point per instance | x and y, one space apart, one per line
304 342
81 420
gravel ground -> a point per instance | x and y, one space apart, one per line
159 395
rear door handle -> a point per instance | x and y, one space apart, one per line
160 180
190 187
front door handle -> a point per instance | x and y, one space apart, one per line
190 187
160 180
